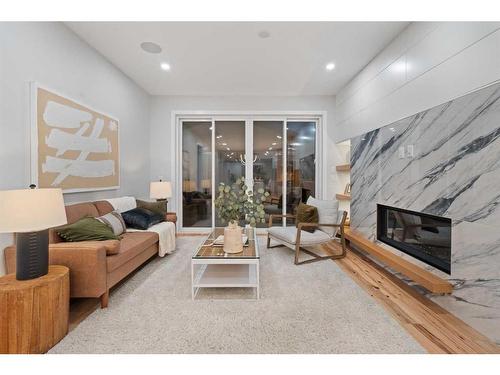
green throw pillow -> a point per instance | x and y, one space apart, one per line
86 229
156 207
307 214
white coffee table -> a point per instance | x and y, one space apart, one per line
211 267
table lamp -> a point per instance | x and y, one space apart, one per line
29 213
206 185
161 191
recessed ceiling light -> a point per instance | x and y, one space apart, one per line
264 34
224 144
279 136
150 47
165 66
274 143
270 148
330 66
227 148
219 136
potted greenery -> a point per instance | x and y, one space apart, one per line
235 203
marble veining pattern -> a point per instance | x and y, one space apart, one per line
443 161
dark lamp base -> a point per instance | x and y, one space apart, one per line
32 254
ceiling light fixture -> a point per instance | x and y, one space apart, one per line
150 47
165 66
274 144
278 136
330 66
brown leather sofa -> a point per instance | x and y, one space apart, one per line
95 266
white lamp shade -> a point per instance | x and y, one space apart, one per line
31 210
188 186
160 190
206 184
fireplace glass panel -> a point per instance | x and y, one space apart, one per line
425 237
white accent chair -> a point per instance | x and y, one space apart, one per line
331 223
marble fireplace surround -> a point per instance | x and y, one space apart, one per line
444 161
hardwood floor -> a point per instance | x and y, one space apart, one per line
80 308
436 329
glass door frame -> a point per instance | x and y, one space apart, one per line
178 117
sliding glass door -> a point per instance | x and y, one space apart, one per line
229 153
268 165
277 155
300 164
197 174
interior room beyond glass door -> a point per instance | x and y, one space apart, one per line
300 164
268 165
229 155
278 155
196 174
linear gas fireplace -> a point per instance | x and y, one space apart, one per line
423 236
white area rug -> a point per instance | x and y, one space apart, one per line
313 308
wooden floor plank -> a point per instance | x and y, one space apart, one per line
436 329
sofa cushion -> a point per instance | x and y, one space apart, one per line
289 235
115 221
307 214
75 212
141 218
103 207
131 245
159 208
111 246
86 229
328 212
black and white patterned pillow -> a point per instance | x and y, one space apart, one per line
115 221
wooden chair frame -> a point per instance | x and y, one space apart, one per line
298 248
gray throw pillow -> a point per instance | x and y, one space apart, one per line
328 211
115 221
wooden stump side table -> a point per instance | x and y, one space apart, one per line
34 313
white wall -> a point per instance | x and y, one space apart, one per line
429 63
52 55
162 130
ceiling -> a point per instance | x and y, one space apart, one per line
230 58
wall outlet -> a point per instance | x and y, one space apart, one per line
409 151
401 152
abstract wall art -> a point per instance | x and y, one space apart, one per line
74 148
